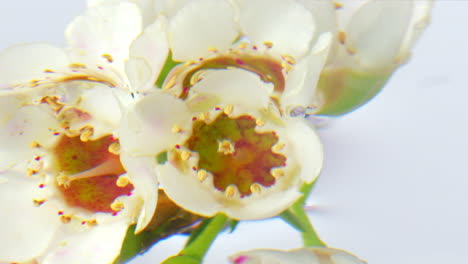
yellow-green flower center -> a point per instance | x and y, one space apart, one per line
235 153
91 173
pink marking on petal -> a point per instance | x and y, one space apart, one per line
241 259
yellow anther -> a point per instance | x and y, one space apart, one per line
176 129
122 181
212 49
202 175
228 109
38 202
268 44
92 222
277 173
86 133
65 219
35 144
278 147
226 147
205 116
185 155
289 59
337 5
30 172
114 148
117 206
77 66
230 191
63 180
255 188
260 122
242 45
342 37
108 57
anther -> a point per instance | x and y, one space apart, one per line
65 219
337 5
122 181
108 57
202 175
185 155
92 222
342 37
289 59
86 133
260 122
176 129
38 202
226 147
35 144
255 188
30 172
117 206
205 116
277 173
228 109
63 180
114 148
268 44
278 147
242 45
77 66
212 49
230 191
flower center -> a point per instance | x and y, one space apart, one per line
235 154
89 173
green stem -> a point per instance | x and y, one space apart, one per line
196 249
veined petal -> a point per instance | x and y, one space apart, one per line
20 129
151 47
376 31
148 127
142 174
235 86
286 24
27 62
199 26
26 230
97 245
105 31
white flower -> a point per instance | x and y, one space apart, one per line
372 39
223 117
313 255
66 191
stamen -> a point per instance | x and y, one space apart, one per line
268 44
278 147
277 173
230 191
202 175
65 219
176 129
38 202
92 222
205 116
122 181
86 133
185 155
226 147
114 148
255 188
108 57
117 206
260 122
228 109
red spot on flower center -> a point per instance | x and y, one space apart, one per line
93 172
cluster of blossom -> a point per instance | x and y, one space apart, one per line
90 132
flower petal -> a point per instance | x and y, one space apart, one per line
26 62
152 47
97 245
376 32
26 230
147 127
201 25
288 25
105 32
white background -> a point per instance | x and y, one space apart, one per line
395 183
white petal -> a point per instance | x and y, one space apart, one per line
201 25
19 129
376 32
142 174
104 29
287 24
152 47
187 191
265 207
302 79
147 128
26 230
235 86
308 148
25 62
97 245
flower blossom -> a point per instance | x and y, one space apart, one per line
68 192
372 39
313 255
222 126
